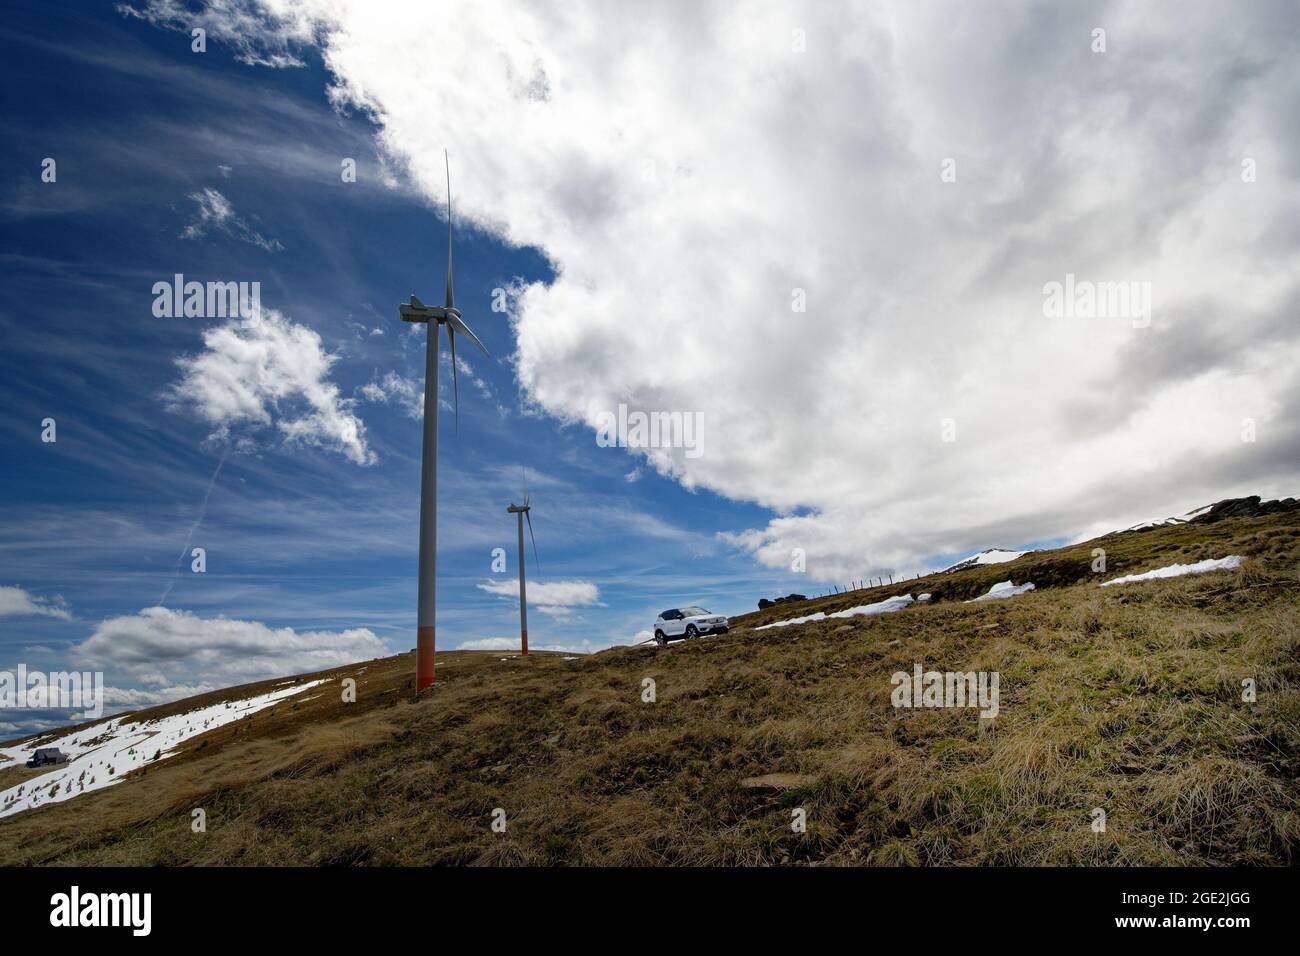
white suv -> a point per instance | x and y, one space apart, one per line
687 622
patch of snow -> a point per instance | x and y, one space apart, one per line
991 556
1178 570
882 607
923 597
1004 590
1162 522
103 753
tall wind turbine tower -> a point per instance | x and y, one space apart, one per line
435 318
521 512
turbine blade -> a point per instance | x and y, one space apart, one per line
536 559
451 299
455 322
455 386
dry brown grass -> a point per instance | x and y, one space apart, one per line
1127 699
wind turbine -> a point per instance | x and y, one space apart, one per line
448 315
521 512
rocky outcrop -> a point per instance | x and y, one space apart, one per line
1251 507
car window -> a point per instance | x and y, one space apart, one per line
693 611
668 615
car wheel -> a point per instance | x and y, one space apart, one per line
661 639
691 632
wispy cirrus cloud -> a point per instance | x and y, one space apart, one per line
214 211
233 24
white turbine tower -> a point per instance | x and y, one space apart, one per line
449 315
521 512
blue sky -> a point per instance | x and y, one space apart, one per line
295 536
829 233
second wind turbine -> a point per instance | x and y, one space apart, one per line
521 512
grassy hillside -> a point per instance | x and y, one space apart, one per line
1126 699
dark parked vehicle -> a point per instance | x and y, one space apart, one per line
45 756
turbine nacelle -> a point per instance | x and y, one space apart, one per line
448 315
417 311
525 514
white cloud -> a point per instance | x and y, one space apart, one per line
511 644
551 597
17 602
125 698
678 257
271 371
215 211
182 653
393 388
556 611
30 725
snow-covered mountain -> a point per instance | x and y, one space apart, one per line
991 556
